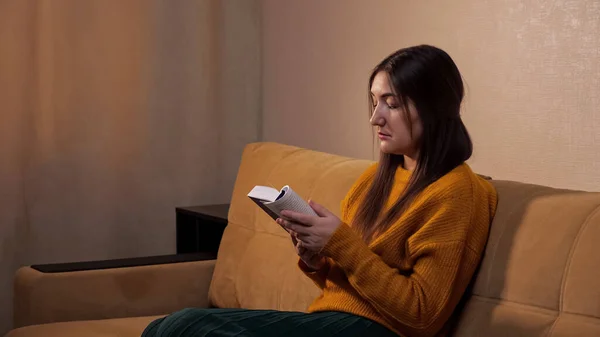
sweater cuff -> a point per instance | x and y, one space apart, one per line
306 269
317 276
346 247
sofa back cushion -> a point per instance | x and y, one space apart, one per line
540 275
257 265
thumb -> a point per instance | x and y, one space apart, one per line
320 210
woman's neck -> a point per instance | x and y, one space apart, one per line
409 163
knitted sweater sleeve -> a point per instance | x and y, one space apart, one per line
443 261
319 276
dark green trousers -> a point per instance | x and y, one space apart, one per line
263 323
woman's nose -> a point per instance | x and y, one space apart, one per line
376 118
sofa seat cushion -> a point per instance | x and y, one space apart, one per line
121 327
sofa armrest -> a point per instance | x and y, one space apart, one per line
111 289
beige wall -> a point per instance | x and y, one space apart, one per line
112 114
532 69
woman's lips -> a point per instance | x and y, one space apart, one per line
382 135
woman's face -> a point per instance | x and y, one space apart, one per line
389 118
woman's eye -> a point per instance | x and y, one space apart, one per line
391 105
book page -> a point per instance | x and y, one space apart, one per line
264 193
292 202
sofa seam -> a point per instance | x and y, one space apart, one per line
253 229
501 301
553 326
267 180
497 300
570 257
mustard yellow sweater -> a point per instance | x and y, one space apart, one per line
411 277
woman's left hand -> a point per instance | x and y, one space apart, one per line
313 232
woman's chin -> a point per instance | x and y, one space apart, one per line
387 149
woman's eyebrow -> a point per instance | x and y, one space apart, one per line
385 95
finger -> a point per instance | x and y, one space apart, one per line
300 249
309 244
282 223
319 209
303 237
278 220
303 219
295 227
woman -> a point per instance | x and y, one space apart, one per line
413 226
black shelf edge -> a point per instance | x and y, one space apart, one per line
122 263
217 213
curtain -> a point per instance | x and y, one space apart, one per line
113 113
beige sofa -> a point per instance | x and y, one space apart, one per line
540 275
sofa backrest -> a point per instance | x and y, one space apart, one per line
540 275
257 265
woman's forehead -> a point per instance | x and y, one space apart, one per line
381 85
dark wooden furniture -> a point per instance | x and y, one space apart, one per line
122 263
199 228
199 231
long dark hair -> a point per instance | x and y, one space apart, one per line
427 77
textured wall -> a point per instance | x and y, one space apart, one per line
532 70
112 114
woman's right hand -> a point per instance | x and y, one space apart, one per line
314 261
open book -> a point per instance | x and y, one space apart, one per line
273 201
